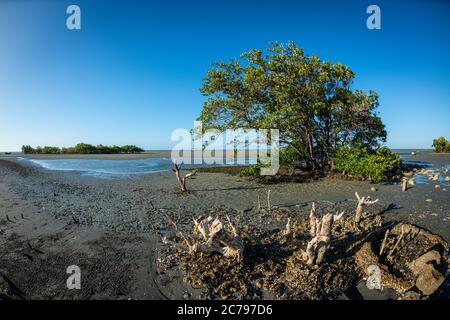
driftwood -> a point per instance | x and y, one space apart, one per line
383 244
404 185
182 180
287 232
214 237
258 205
362 201
320 230
269 203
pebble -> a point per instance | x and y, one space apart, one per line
429 200
437 186
186 295
373 189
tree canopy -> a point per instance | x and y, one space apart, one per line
309 100
441 145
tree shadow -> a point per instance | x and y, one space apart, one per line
390 207
227 189
13 287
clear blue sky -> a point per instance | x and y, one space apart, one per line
133 73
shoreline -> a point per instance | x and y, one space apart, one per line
167 154
133 156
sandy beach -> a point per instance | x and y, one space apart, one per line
111 228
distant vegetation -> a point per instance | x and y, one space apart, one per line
82 148
324 123
441 145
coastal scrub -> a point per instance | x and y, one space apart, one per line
362 162
82 148
441 145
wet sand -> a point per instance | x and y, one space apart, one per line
50 220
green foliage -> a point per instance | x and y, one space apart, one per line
309 100
441 145
362 162
82 148
27 149
288 155
85 148
253 170
131 149
250 171
50 150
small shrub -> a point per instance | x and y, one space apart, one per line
27 149
50 150
379 165
288 155
441 145
251 171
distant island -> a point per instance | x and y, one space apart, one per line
82 148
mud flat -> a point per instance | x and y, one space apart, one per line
112 229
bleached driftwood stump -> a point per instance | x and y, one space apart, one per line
214 237
404 185
269 202
218 239
182 180
320 230
364 201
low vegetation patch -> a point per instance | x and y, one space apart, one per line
82 148
231 170
441 145
362 162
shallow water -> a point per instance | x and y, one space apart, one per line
418 163
117 168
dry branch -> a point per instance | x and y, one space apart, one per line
182 180
287 232
362 201
383 244
404 185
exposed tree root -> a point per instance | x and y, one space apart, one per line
214 238
293 255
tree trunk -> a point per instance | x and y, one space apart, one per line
182 180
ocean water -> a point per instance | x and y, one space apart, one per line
117 168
